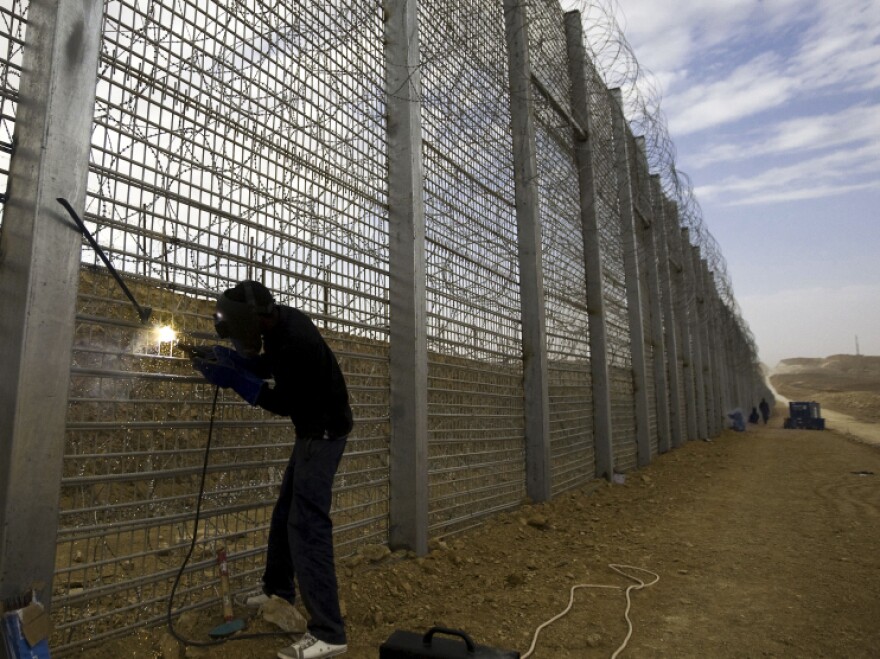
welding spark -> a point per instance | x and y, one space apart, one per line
165 334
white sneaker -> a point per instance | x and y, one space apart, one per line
309 647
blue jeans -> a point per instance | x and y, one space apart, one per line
301 536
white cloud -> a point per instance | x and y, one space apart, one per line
801 48
831 173
814 322
751 88
852 125
841 48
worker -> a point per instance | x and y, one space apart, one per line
736 420
765 410
276 341
754 416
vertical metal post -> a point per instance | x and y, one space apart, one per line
652 268
670 324
537 421
633 283
720 353
696 333
406 219
602 429
732 370
705 339
682 315
711 364
39 273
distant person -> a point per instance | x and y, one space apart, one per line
753 417
737 422
765 410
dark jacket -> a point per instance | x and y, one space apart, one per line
309 385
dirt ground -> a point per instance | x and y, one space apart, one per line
765 544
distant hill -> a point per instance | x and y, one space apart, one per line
845 383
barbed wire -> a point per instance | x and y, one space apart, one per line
615 60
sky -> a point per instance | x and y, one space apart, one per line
774 110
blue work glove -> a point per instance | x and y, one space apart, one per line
232 357
227 376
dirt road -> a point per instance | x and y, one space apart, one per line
766 543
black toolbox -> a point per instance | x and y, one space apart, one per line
411 645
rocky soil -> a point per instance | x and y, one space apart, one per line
765 544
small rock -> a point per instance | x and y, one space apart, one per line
435 545
375 553
538 522
282 613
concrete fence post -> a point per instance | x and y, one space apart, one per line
646 231
683 316
695 333
671 335
690 253
632 279
712 368
406 220
39 272
535 369
602 428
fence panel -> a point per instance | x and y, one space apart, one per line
13 26
568 349
227 144
475 392
611 245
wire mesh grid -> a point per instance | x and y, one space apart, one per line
475 397
13 25
639 185
570 396
227 144
608 216
679 296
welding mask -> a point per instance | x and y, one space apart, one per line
237 316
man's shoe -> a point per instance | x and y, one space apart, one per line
309 647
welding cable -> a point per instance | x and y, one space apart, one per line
636 586
192 545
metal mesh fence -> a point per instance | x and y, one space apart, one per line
227 144
679 297
642 214
568 350
13 24
476 445
236 142
611 244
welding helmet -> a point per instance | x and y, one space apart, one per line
237 315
